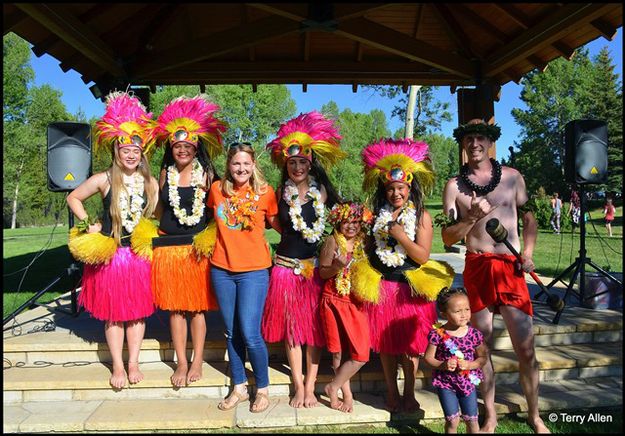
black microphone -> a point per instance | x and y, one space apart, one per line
500 234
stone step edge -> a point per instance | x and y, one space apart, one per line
9 346
280 371
27 417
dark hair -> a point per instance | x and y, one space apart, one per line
318 173
202 157
416 196
445 295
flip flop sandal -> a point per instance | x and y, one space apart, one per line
260 395
240 398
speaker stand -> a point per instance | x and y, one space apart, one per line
578 268
72 271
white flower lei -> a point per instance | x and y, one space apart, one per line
173 177
291 197
131 215
397 255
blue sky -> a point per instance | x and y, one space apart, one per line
77 95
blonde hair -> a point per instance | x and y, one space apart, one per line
257 180
117 184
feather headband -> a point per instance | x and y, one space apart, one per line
304 135
125 123
397 160
191 120
350 210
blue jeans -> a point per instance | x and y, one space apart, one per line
241 297
450 400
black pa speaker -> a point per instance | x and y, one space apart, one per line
69 155
586 152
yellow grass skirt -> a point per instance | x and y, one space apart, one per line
181 280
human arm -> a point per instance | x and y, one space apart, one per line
91 186
481 353
443 365
329 262
530 227
158 212
418 250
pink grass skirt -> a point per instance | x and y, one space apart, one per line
400 323
118 291
292 308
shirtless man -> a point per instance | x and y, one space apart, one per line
492 275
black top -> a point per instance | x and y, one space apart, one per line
169 223
107 222
392 274
292 243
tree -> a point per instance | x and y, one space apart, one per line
429 113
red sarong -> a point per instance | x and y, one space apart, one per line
345 323
494 280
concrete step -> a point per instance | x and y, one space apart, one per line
89 380
195 415
82 338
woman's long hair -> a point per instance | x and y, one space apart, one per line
322 178
202 157
257 180
117 184
416 195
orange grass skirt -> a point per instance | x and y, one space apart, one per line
181 282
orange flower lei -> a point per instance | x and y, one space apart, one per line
241 209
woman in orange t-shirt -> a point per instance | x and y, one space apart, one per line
242 203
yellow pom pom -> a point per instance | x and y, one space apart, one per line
204 242
91 248
141 238
428 280
365 281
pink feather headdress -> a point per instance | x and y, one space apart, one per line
306 134
125 123
191 120
397 160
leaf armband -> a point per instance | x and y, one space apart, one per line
442 220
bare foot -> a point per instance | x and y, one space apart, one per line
488 426
348 404
118 378
298 399
195 372
411 405
392 403
332 393
310 399
134 374
538 426
179 377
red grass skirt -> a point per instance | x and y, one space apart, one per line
118 291
400 323
292 308
180 281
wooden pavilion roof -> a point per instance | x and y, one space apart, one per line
451 44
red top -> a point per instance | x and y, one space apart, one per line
237 248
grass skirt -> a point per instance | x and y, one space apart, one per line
400 323
292 308
180 281
119 290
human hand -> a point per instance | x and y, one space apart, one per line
527 265
451 363
339 261
479 208
463 365
94 228
395 230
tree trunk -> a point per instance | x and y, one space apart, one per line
17 189
412 98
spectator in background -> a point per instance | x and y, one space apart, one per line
608 211
556 209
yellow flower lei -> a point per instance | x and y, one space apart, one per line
343 278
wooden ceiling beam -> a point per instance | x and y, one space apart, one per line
213 45
417 19
453 29
381 37
300 11
292 11
12 20
548 31
251 52
512 12
163 19
607 30
565 50
538 62
74 33
480 22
